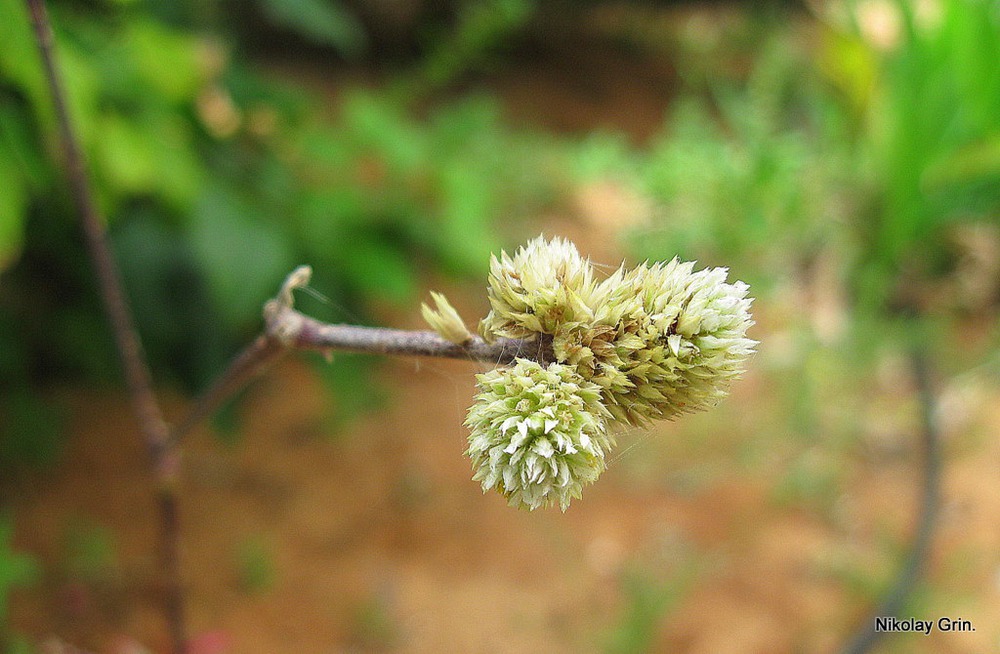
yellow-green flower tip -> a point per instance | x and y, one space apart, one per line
445 320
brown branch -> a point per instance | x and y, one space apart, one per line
287 329
137 378
248 364
312 334
295 330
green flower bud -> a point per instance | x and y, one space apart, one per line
545 285
445 320
538 434
677 340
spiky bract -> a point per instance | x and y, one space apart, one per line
659 340
666 340
538 433
544 286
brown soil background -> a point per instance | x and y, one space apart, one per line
376 540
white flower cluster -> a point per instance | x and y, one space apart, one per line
652 342
539 434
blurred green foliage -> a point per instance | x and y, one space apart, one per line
217 180
646 604
89 553
321 21
650 589
255 565
877 153
17 569
851 181
480 28
935 135
852 176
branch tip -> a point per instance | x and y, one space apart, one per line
284 324
298 278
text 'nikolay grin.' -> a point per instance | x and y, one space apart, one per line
895 625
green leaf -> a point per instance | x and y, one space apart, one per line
242 255
979 161
13 204
153 154
468 209
19 138
480 26
325 22
16 569
378 268
382 126
124 156
19 58
166 60
353 387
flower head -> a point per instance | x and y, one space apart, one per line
544 286
538 434
653 342
667 340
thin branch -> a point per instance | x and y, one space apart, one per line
299 331
867 636
247 366
287 329
137 378
312 334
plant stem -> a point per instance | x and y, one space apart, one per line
299 331
248 364
287 329
137 377
892 603
315 335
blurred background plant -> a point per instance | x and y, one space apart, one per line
17 569
203 164
843 158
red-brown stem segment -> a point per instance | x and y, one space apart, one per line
137 378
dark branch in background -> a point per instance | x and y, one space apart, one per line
892 603
247 366
137 378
